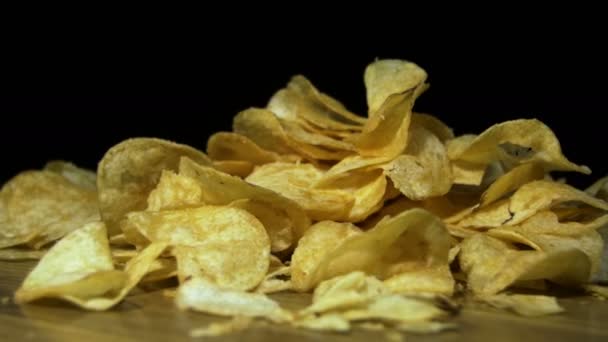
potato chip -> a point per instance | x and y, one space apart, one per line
175 191
130 170
386 131
278 225
83 178
237 323
423 170
233 146
295 182
599 189
265 129
492 265
386 77
313 247
525 305
222 189
38 207
516 142
227 245
201 295
240 168
433 125
589 242
79 266
302 100
410 241
297 133
511 181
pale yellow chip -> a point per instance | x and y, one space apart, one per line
386 77
201 295
79 266
219 188
511 181
493 265
18 253
525 305
175 191
300 99
423 171
130 170
38 207
433 125
228 245
410 241
313 247
278 225
515 142
295 182
240 168
83 178
233 146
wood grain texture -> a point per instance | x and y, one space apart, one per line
149 316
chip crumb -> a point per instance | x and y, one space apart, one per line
238 323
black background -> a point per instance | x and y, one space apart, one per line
74 99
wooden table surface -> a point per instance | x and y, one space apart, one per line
152 317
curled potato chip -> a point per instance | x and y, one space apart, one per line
410 241
175 191
386 77
493 265
423 170
433 125
589 241
300 99
83 178
517 141
238 168
278 225
130 170
525 305
78 266
38 207
201 295
227 245
528 200
511 181
223 189
599 189
319 240
295 182
233 146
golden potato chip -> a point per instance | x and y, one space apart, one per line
297 133
201 295
240 168
511 181
410 241
223 189
599 189
295 182
228 245
386 77
237 323
79 266
38 207
423 170
344 167
233 146
276 280
130 170
328 322
313 247
368 189
525 305
435 280
265 129
538 195
278 225
516 142
467 173
83 178
589 242
433 125
175 191
492 265
300 99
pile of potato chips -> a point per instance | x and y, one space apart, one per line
384 218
